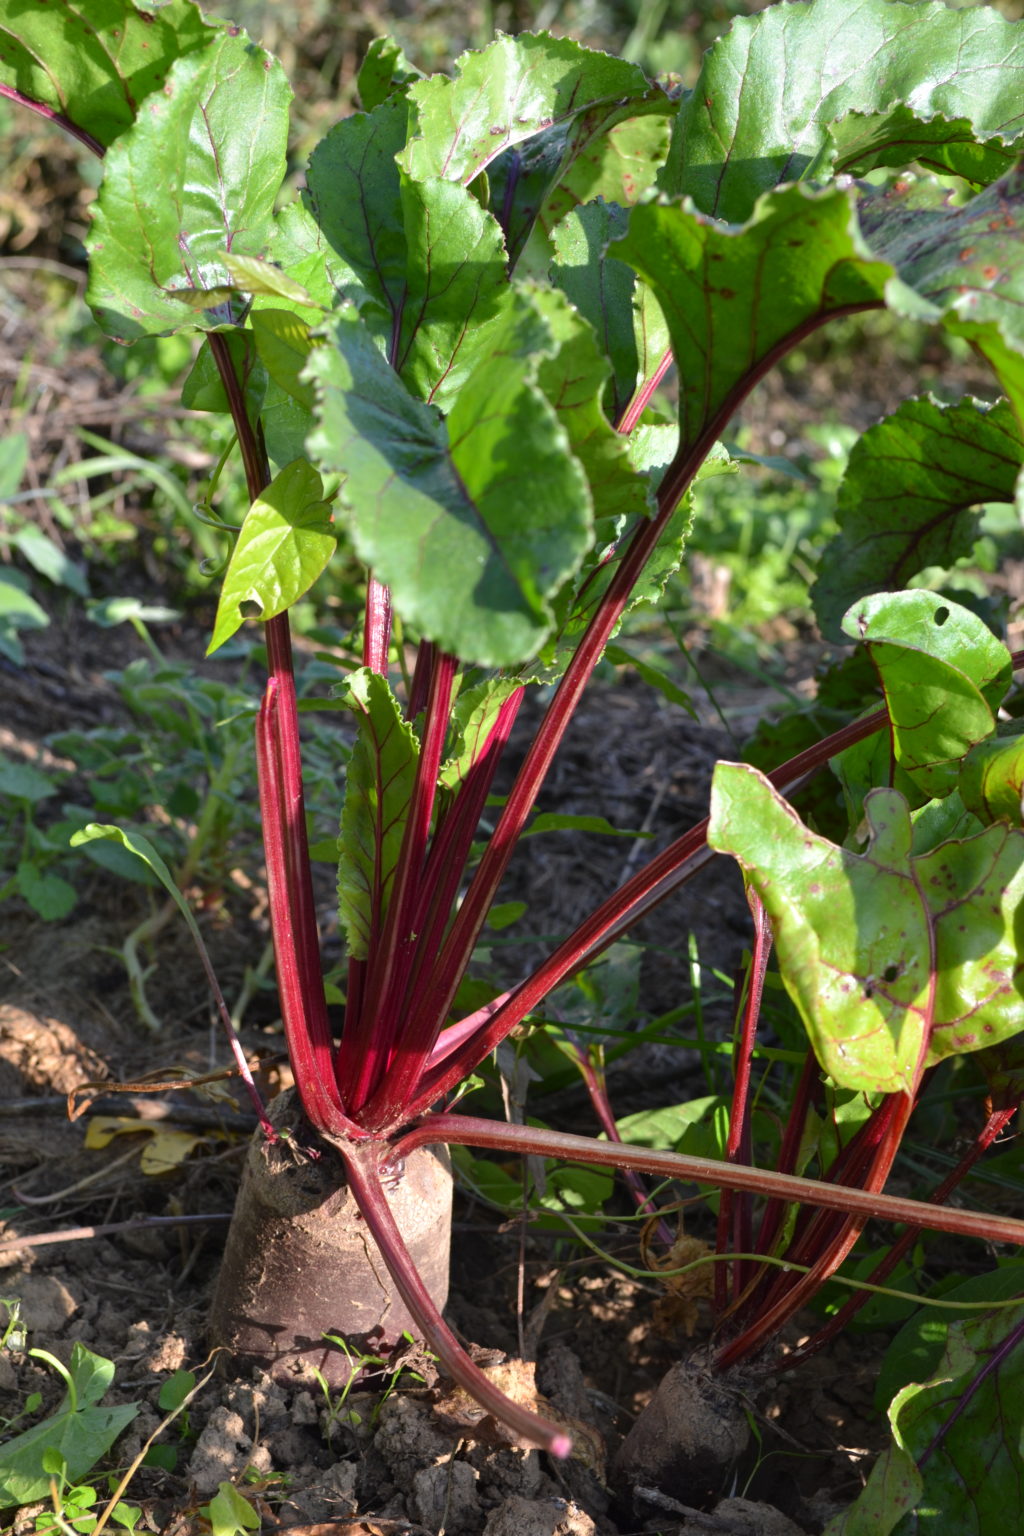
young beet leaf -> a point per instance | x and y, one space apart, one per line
442 356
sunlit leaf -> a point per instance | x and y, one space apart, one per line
955 1457
601 152
96 61
574 380
285 543
384 72
943 674
992 779
165 1148
473 718
737 297
430 260
892 961
182 185
804 91
79 1435
283 344
506 93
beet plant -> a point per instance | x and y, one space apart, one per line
443 355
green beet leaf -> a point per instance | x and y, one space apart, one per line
798 261
506 93
943 821
473 718
893 1489
198 173
384 72
954 1464
430 260
893 962
808 255
285 543
943 674
456 290
354 194
917 1349
95 61
906 499
474 523
80 1432
283 343
298 246
378 791
992 779
579 598
601 152
962 266
619 165
804 91
574 381
622 310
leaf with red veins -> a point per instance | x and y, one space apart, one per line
182 185
894 962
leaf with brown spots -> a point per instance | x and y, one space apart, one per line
893 961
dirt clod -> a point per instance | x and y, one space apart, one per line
46 1303
746 1517
223 1451
446 1496
539 1517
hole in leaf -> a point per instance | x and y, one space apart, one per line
249 608
941 615
890 973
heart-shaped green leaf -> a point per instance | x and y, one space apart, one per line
285 543
76 1436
